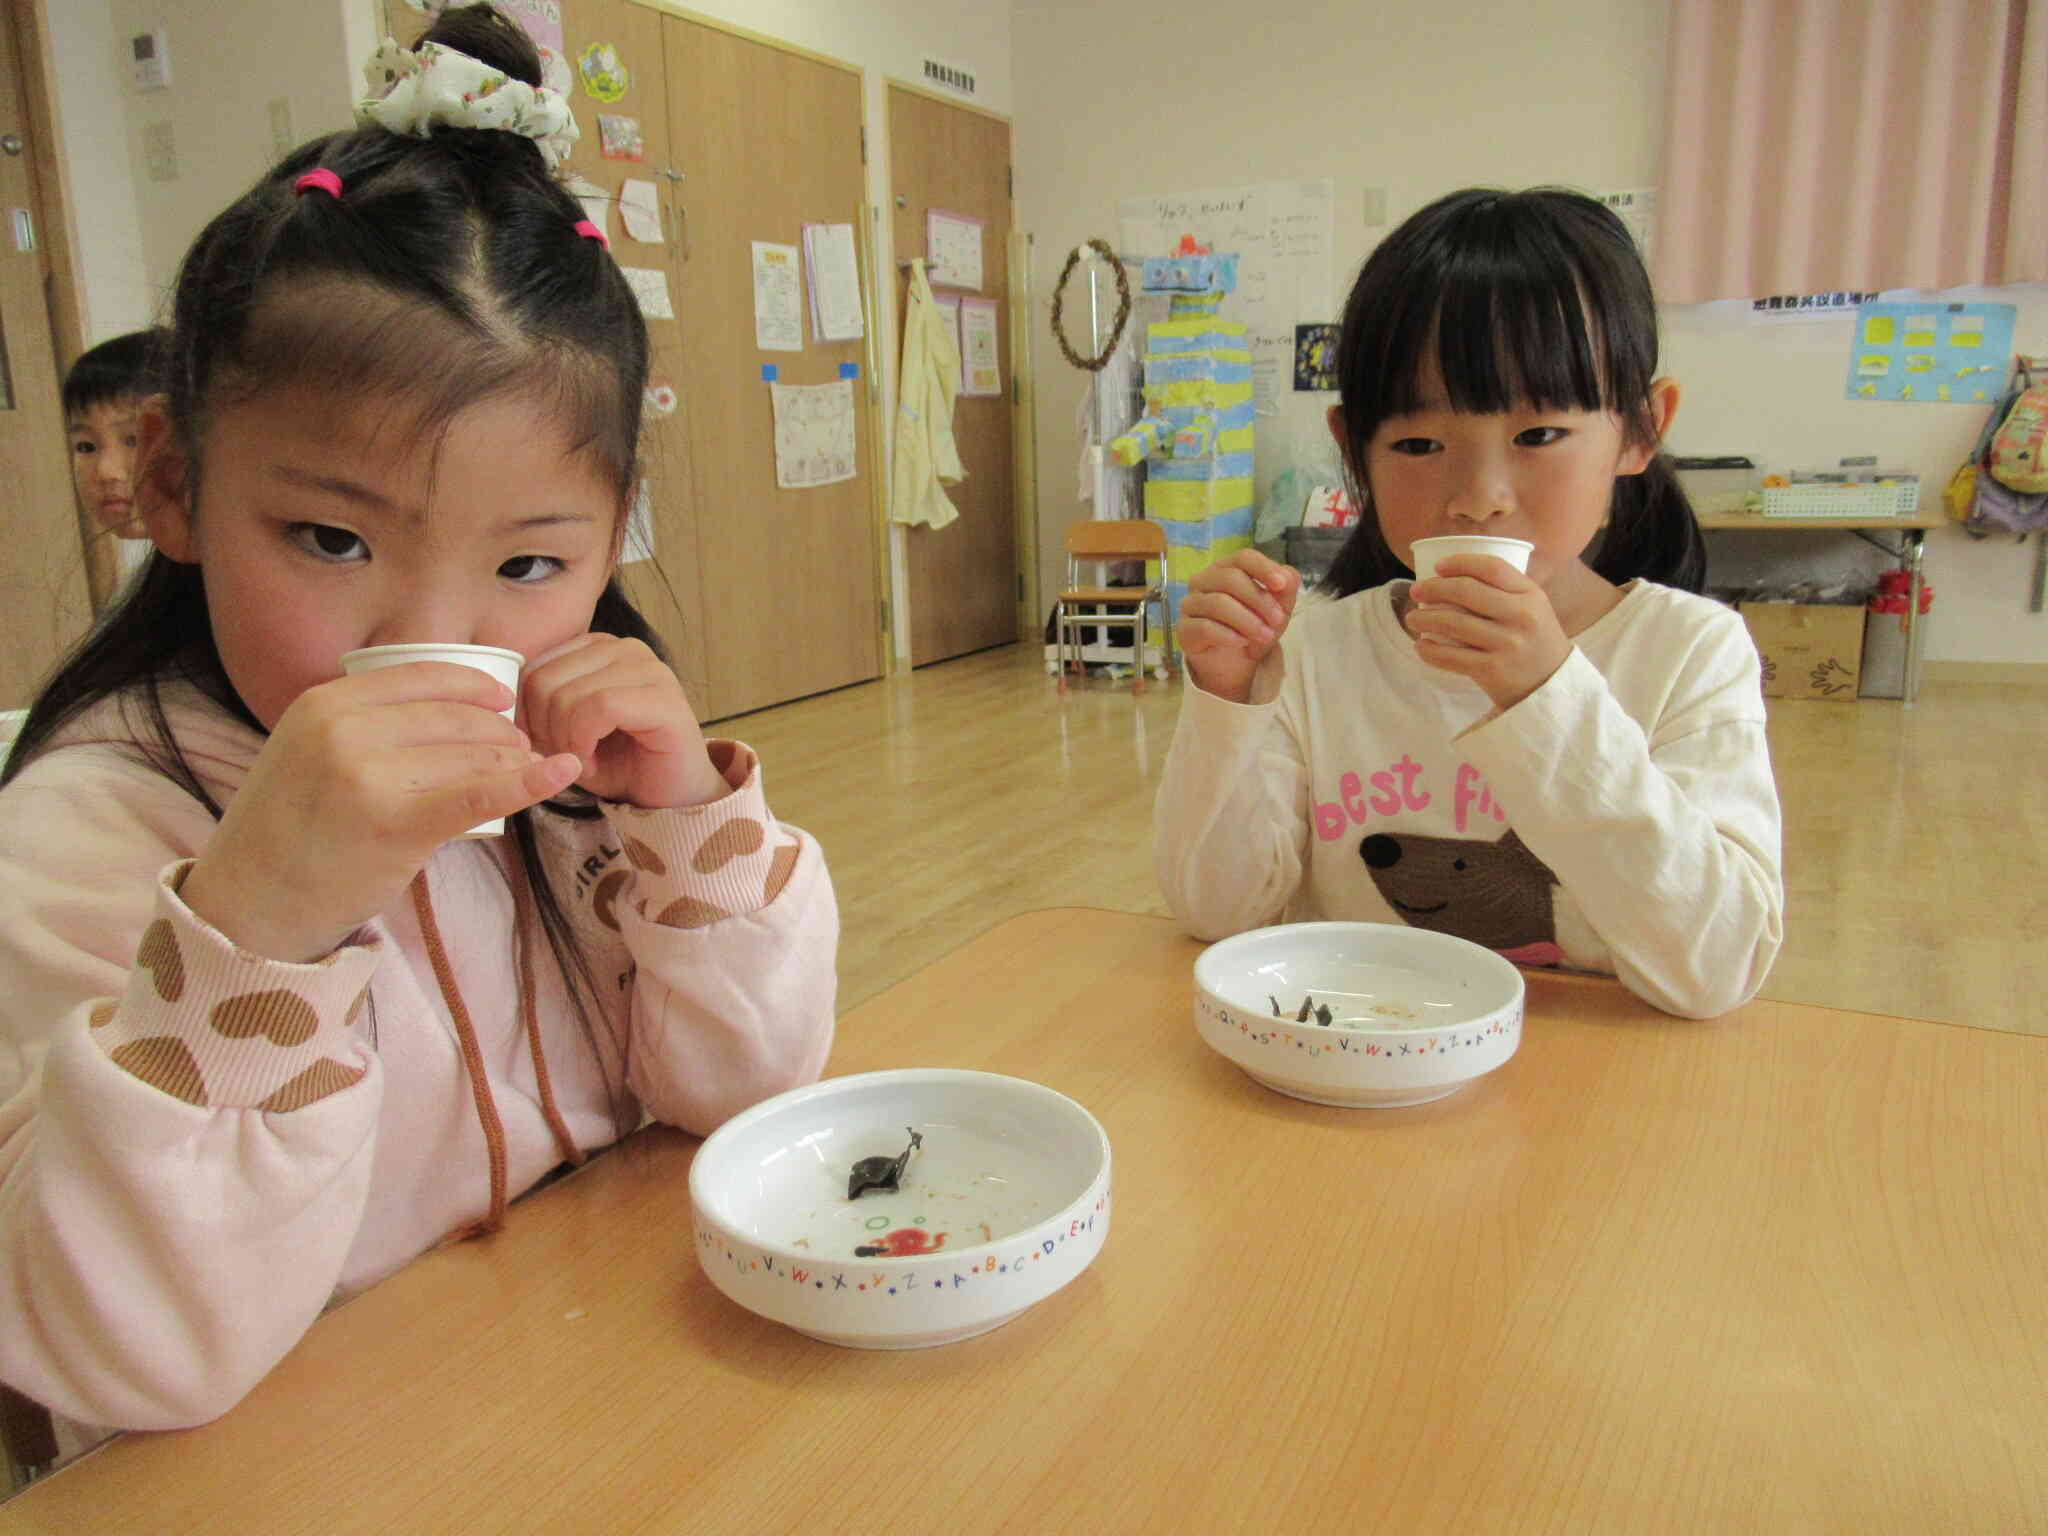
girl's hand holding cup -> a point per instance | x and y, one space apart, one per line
1231 619
361 780
1475 613
622 711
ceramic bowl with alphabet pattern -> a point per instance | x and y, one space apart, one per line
1358 1014
895 1210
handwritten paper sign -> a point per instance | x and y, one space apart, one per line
952 250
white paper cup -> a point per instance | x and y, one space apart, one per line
1427 552
503 665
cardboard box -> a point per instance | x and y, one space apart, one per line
1809 650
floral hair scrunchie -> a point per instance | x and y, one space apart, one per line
413 93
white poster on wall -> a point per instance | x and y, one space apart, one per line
952 248
1281 233
980 373
778 298
814 440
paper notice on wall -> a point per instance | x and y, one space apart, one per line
948 306
639 541
778 298
814 440
639 211
1281 234
952 249
650 287
834 273
980 369
597 203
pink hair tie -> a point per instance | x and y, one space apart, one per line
323 180
590 231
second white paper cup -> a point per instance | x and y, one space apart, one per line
1425 553
504 665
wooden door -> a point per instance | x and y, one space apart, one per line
767 140
667 588
45 603
963 578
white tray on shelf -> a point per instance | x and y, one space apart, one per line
1899 498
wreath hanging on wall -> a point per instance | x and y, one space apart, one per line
1101 359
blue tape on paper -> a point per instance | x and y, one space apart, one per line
849 370
768 374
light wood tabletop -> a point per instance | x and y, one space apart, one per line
1787 1270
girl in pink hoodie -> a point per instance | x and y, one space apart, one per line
273 1026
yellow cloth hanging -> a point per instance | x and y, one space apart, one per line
927 459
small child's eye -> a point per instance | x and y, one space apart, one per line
1414 447
1539 437
326 542
83 446
529 568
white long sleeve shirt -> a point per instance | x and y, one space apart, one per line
1622 818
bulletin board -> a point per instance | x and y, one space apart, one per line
1927 351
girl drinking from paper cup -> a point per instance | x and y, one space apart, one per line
273 1024
1565 763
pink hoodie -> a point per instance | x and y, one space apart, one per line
201 1149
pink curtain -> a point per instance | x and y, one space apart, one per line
1817 145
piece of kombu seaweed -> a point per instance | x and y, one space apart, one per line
1310 1008
883 1173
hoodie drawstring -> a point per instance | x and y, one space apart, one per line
472 1056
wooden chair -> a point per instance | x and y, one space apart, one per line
1097 542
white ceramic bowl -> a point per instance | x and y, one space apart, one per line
1415 1015
1005 1202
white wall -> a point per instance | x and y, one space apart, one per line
1417 100
117 291
229 60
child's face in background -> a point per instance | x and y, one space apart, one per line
103 464
320 531
1546 476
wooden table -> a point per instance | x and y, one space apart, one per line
1784 1271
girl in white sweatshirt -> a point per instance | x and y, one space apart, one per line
1567 765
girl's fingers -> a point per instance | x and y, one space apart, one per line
505 792
649 712
431 769
1235 588
1229 621
556 692
428 722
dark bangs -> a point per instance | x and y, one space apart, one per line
1520 299
1494 290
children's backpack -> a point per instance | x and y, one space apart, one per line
1983 500
2017 457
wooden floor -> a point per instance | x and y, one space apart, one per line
947 799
